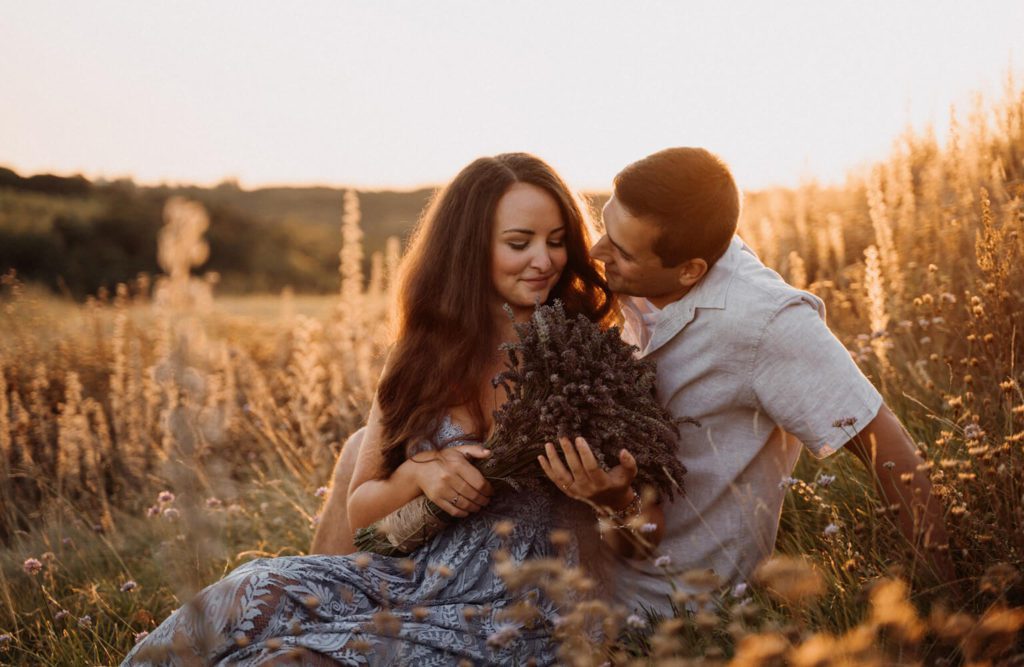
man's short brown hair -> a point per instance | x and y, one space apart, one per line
690 195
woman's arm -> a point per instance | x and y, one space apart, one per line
446 477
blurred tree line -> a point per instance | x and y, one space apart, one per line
76 236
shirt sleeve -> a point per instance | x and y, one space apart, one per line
805 380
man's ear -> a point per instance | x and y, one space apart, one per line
692 271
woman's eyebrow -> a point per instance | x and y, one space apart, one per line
530 232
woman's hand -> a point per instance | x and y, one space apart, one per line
450 480
584 479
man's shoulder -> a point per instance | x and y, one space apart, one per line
756 292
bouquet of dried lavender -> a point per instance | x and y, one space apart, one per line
564 377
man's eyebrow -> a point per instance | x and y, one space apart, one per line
621 249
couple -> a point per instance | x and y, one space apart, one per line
743 356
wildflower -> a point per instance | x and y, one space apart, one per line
831 529
504 528
139 636
60 615
793 580
129 586
648 528
739 590
973 432
321 492
560 538
165 497
152 511
85 622
5 639
214 503
844 422
32 566
663 561
502 636
889 465
171 514
825 480
788 482
67 541
635 621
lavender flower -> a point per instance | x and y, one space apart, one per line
129 586
32 566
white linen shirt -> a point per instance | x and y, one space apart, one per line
746 358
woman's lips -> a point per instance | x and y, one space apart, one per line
537 282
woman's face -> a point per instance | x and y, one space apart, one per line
528 252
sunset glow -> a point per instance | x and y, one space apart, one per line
398 94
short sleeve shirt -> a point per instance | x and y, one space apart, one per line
748 362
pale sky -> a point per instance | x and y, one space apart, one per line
400 93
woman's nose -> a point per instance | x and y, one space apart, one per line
542 260
599 251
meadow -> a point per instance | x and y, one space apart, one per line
157 435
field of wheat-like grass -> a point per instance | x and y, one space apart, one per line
154 437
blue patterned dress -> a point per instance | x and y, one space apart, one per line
440 606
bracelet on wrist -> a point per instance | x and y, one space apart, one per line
632 509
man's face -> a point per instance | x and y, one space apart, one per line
627 252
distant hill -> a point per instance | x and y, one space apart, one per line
76 235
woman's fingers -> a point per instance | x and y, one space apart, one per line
628 461
587 458
572 458
555 462
451 508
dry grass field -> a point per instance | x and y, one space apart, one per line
153 438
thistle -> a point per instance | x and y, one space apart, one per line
564 378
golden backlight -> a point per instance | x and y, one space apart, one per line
398 94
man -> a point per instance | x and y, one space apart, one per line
749 362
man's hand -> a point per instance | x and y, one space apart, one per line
449 479
584 479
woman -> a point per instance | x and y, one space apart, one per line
506 230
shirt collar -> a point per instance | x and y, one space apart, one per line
712 290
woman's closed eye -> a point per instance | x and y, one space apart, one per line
522 245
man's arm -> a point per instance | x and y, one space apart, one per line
887 450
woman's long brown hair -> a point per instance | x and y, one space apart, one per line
447 333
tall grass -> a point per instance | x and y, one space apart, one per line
153 438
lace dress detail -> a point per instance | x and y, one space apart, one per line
439 606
